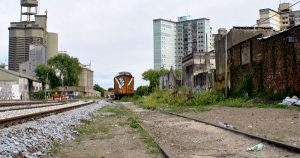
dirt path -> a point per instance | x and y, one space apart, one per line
189 139
275 124
109 136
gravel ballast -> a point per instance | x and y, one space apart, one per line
35 138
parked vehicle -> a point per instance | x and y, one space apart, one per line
123 85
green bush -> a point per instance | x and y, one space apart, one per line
206 98
142 91
37 95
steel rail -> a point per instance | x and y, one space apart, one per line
271 142
25 118
14 108
18 103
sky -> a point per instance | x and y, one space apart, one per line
117 35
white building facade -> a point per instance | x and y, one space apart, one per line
164 44
282 19
174 40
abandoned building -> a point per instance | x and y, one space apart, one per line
198 71
234 36
170 80
17 86
273 62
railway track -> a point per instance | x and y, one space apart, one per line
270 142
20 103
168 153
28 106
9 118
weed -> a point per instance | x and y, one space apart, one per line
55 148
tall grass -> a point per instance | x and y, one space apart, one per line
181 100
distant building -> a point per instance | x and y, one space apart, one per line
198 71
86 80
17 86
164 44
282 19
37 56
85 87
31 30
174 40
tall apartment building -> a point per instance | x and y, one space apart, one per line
164 44
284 18
175 40
31 30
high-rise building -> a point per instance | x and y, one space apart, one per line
164 44
31 30
174 40
282 19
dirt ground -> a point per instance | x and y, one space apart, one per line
119 140
275 124
189 139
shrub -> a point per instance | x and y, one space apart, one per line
142 91
206 98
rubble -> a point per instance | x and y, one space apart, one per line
291 101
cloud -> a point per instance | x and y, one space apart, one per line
116 35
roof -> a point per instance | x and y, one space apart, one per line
281 32
250 27
180 21
18 74
268 9
124 74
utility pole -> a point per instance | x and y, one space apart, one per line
46 86
226 73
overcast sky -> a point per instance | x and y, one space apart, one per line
116 35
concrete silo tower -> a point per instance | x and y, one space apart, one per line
30 31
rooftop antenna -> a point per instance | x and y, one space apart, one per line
38 7
187 11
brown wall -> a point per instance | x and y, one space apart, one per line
275 62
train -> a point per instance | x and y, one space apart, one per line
123 85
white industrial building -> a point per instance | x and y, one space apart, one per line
37 56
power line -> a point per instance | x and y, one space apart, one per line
275 14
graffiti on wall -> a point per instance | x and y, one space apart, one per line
9 90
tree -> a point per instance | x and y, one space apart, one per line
47 76
110 89
99 89
68 67
2 66
153 77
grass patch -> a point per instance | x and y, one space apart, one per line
55 148
181 100
242 103
93 126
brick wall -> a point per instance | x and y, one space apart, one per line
275 62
